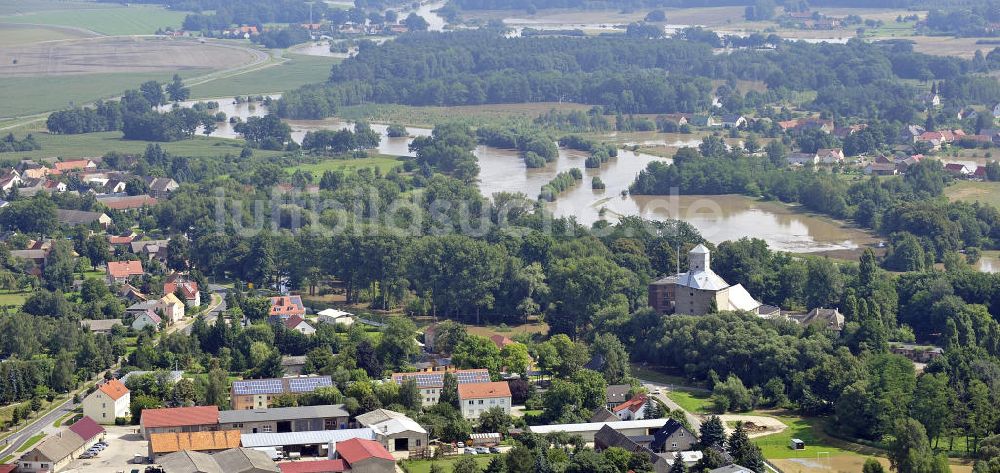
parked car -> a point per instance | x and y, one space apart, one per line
494 449
86 455
470 451
482 450
460 444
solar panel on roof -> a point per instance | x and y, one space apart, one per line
258 386
300 385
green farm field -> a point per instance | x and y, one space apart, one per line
23 96
98 144
131 20
382 162
16 34
296 71
446 464
20 7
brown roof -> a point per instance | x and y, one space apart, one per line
114 389
483 390
127 202
124 269
180 416
70 165
168 442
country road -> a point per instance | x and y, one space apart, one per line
658 390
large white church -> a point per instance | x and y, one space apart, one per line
700 291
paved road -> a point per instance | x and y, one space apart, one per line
10 445
659 390
211 314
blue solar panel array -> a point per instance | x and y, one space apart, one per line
431 380
307 385
278 386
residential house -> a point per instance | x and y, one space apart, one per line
475 398
602 414
234 460
916 353
285 419
10 180
633 409
733 120
81 217
126 202
996 111
293 365
120 271
501 341
958 169
164 443
147 318
830 155
704 120
677 119
394 430
52 454
113 186
911 133
258 393
334 316
802 159
101 326
31 187
150 249
881 169
845 131
121 241
673 437
283 307
608 437
179 420
161 187
189 289
616 395
932 100
587 430
298 324
108 402
171 307
830 320
430 384
37 256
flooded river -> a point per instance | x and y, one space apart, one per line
718 218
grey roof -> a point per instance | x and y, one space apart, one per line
29 254
378 416
705 279
77 217
315 437
138 246
283 413
830 319
602 414
245 460
187 461
142 306
161 184
733 468
59 445
100 325
171 376
608 437
234 460
618 392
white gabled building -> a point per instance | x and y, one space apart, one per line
476 398
108 402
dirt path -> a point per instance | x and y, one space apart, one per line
761 425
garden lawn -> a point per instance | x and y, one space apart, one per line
8 298
973 191
383 162
131 20
424 466
810 431
296 71
695 402
32 441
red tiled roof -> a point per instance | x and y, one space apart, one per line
632 404
189 288
321 466
124 269
355 450
483 390
293 322
287 306
114 389
121 240
86 428
5 468
501 341
70 165
180 416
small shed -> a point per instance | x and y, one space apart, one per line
797 444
